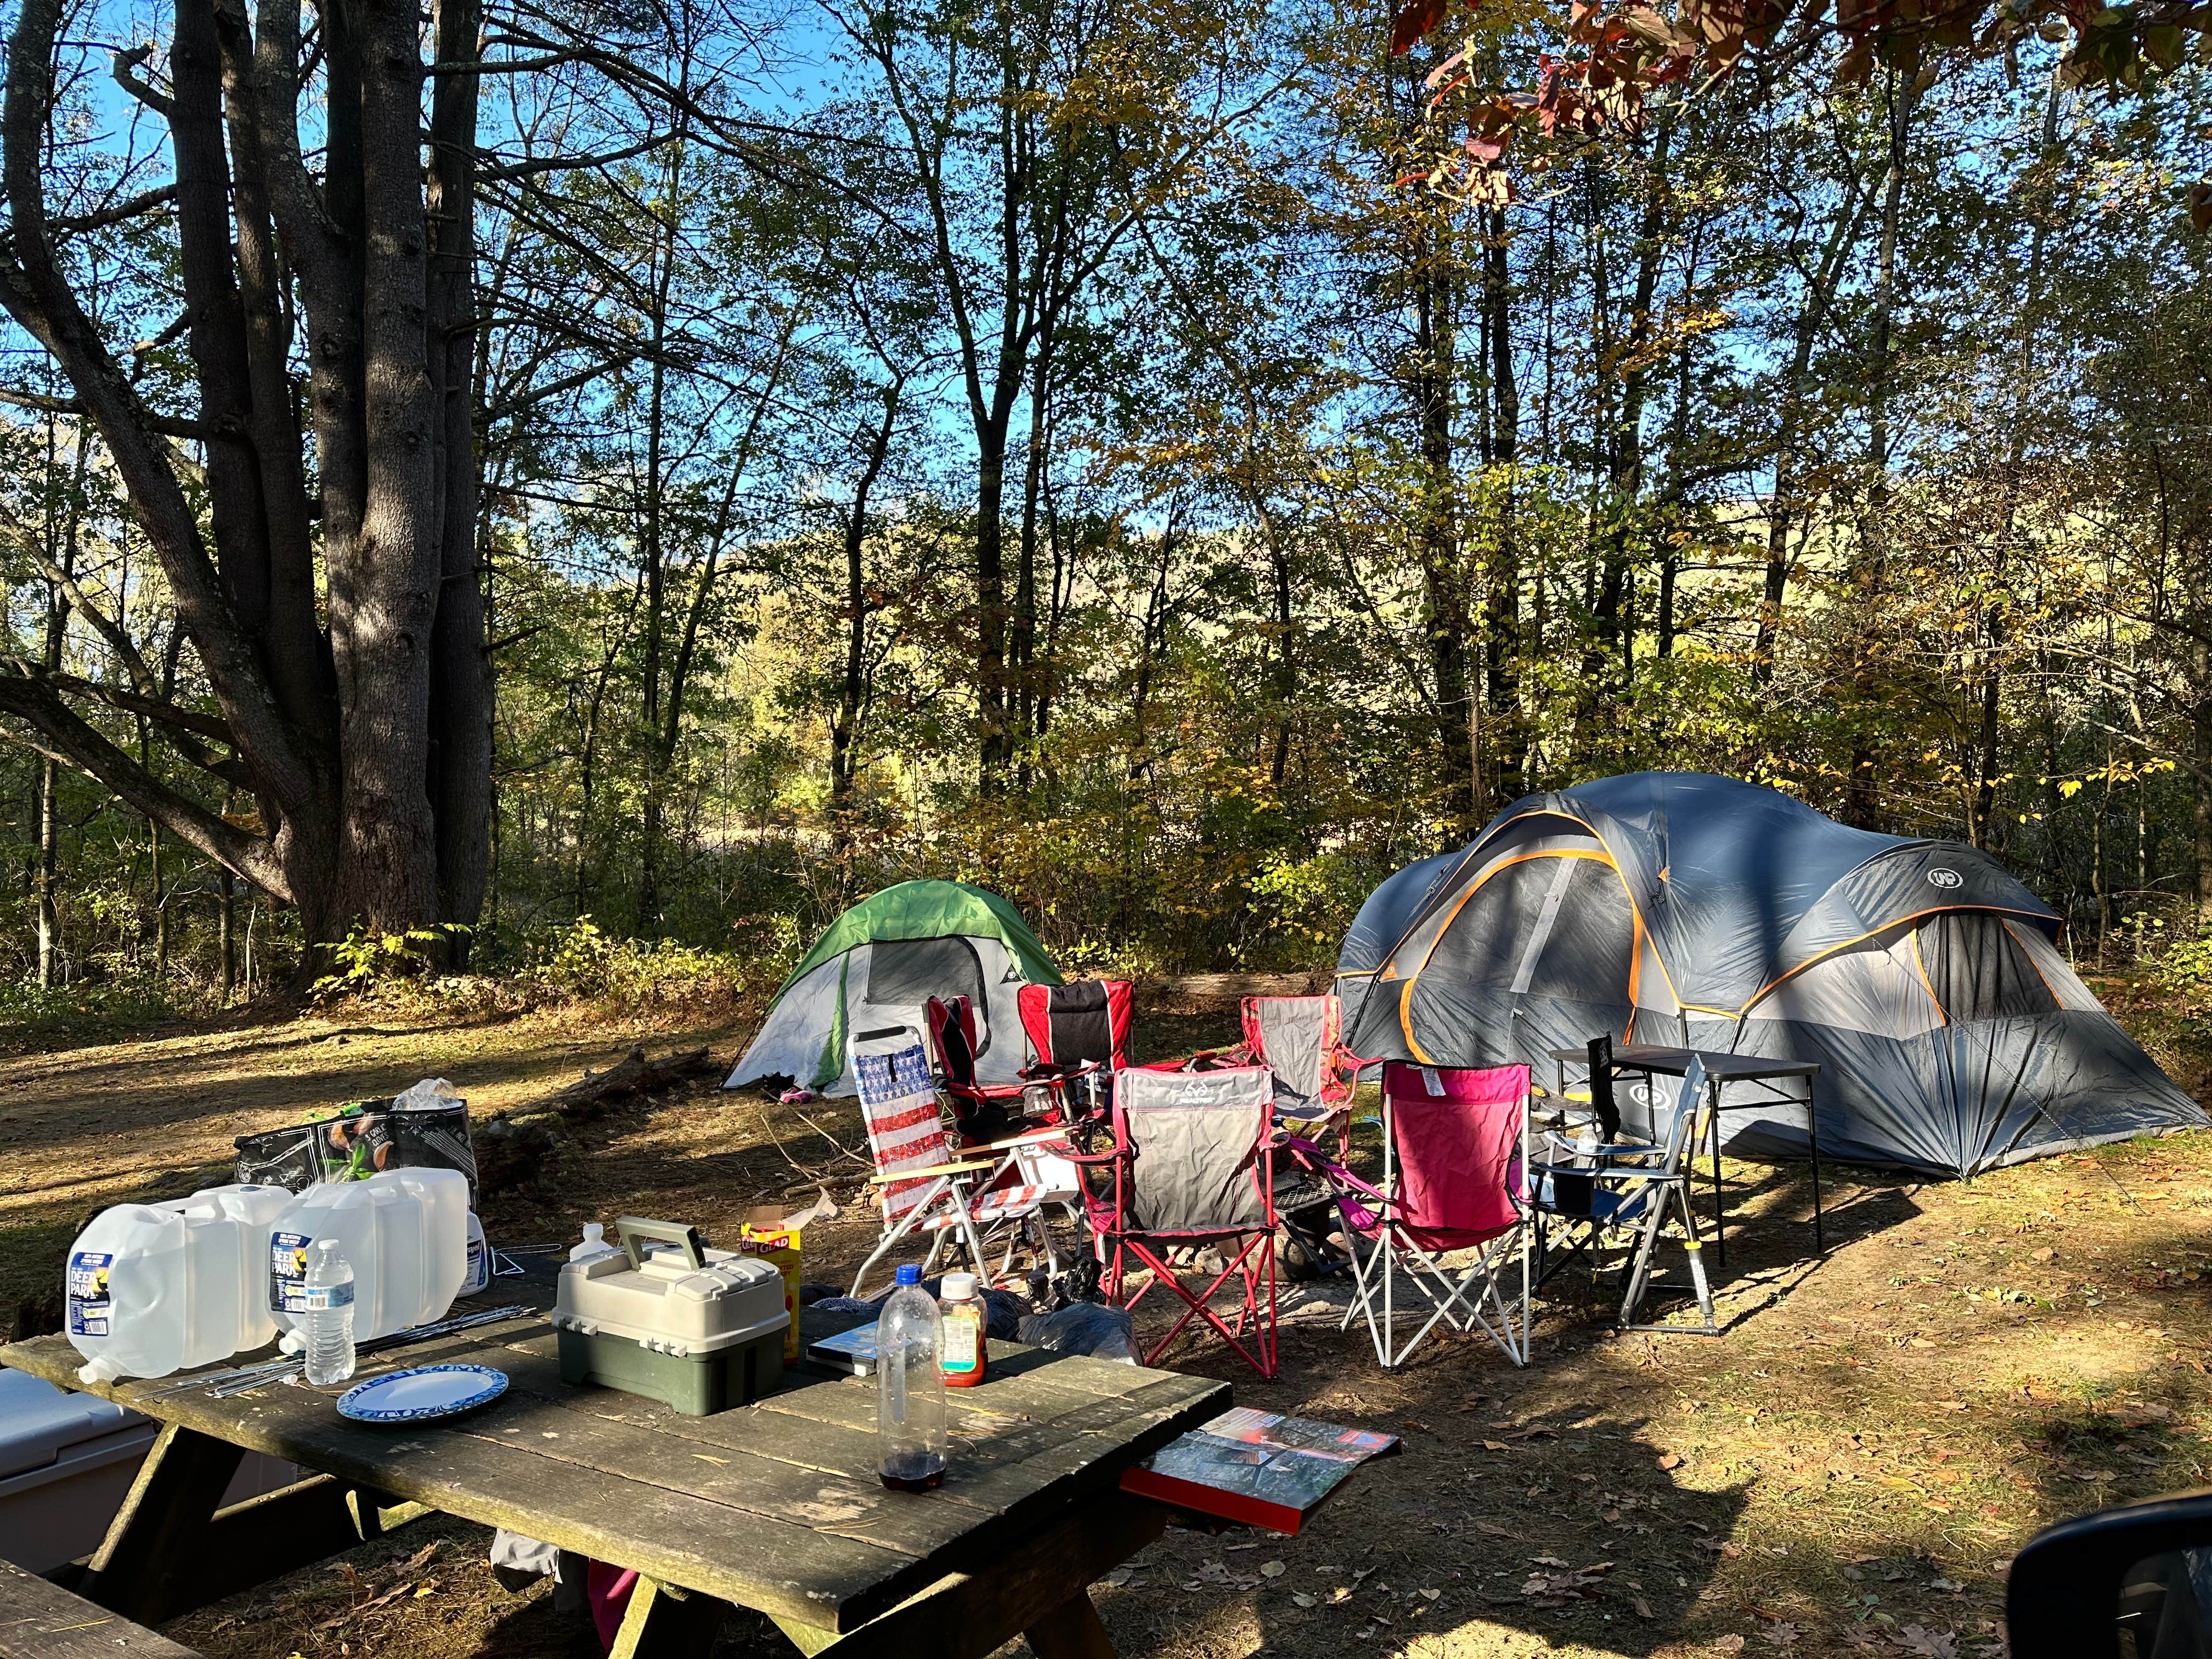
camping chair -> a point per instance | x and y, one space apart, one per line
981 1110
1298 1039
1454 1148
1080 1035
1594 1188
1191 1165
923 1187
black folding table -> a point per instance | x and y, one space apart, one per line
1774 1080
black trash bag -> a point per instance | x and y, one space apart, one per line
1084 1327
1080 1283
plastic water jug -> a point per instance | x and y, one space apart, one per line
406 1234
156 1288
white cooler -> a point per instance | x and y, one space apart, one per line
66 1464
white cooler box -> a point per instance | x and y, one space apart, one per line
66 1464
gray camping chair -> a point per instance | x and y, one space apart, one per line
1591 1192
1300 1039
1191 1165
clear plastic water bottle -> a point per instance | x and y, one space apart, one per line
329 1315
911 1441
594 1245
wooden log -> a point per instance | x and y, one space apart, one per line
1206 993
40 1620
634 1074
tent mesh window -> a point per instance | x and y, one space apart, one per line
1978 971
904 972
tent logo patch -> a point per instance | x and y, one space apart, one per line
1944 876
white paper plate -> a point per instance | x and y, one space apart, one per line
421 1394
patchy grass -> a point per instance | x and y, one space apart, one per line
1848 1469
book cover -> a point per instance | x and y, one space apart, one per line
853 1351
1255 1467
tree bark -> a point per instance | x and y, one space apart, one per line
359 816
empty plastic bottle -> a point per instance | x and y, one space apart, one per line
594 1245
328 1317
479 1273
911 1441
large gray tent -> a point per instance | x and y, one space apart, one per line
1680 909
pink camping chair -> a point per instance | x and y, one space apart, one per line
1454 1149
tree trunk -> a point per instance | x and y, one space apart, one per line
361 818
1445 615
1506 720
851 699
460 668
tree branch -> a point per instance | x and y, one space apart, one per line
76 224
63 735
38 297
168 426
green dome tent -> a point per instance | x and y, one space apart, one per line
871 970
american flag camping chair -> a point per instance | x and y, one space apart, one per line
923 1183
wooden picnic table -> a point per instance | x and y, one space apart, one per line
773 1506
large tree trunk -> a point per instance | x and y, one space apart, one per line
460 668
362 818
1445 612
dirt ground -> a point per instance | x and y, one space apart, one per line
1847 1468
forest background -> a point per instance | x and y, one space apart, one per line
1068 445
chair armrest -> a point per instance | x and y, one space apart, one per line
884 1180
1034 1137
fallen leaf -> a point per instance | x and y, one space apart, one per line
1432 1594
1731 1643
1928 1643
1495 1445
1670 1461
415 1561
1272 1570
1643 1608
1491 1529
1301 1599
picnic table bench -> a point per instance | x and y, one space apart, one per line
40 1620
773 1506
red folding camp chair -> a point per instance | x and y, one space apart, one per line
1080 1035
1455 1172
982 1111
1300 1040
1191 1165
